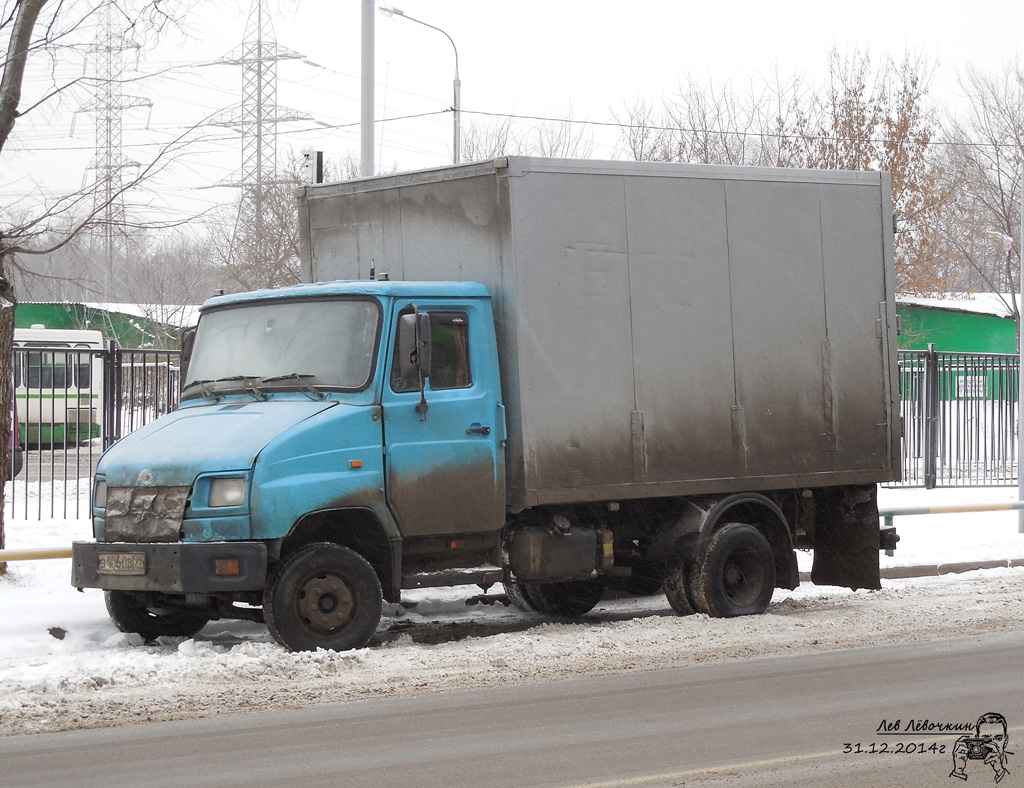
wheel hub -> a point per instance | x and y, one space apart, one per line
325 602
733 576
741 577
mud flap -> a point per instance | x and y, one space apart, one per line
846 540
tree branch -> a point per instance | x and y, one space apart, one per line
14 69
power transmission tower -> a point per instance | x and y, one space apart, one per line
109 162
256 118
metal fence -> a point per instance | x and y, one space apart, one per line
70 404
959 418
146 383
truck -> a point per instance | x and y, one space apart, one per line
556 375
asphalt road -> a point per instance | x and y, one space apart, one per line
74 462
802 720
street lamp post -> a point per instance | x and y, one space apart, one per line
1020 361
1007 242
366 168
456 83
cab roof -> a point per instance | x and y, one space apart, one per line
356 287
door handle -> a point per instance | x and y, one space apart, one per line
476 429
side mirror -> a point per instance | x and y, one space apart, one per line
414 346
414 353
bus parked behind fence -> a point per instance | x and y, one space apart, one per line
58 382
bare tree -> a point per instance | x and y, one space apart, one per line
881 119
984 156
646 138
561 138
556 137
862 118
166 277
41 31
497 137
766 125
247 261
342 168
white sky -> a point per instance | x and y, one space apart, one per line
530 58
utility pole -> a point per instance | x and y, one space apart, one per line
366 168
108 162
256 118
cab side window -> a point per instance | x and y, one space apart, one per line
449 364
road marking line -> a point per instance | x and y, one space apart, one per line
716 770
708 770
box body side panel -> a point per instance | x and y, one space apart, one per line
663 331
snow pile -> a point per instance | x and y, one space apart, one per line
64 665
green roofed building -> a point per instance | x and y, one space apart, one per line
975 323
131 326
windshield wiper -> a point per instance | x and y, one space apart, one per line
298 378
247 384
204 389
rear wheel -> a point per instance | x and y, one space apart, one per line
677 588
737 575
568 599
324 596
129 613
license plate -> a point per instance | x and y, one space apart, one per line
121 564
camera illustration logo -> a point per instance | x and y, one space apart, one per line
988 746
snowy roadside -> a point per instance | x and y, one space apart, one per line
63 665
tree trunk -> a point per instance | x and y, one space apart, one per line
7 303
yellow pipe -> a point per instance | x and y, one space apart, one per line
34 554
995 506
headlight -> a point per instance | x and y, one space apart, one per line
99 495
228 491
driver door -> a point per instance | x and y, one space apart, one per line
445 467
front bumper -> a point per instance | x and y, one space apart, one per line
171 568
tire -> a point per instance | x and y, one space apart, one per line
568 599
737 574
129 613
519 597
677 588
324 596
15 462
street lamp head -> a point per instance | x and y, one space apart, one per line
456 83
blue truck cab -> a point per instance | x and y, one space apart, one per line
309 467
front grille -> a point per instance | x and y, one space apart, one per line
144 514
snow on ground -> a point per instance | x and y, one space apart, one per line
63 664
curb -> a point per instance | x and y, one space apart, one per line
934 570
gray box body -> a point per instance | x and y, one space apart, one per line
663 329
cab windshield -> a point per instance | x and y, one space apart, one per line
295 344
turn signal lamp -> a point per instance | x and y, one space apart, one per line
227 566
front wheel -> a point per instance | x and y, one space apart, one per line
737 575
324 596
129 613
519 596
